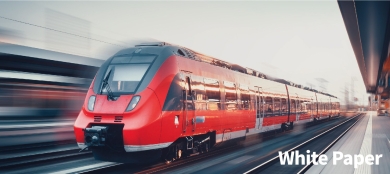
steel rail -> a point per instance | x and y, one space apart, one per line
272 160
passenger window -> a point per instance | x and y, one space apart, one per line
200 94
298 104
293 106
213 95
283 107
269 107
277 106
304 106
230 96
245 97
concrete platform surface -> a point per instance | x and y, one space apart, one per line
370 136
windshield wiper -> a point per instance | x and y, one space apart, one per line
106 86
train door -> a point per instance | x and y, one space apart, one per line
312 107
297 109
257 106
259 109
330 107
189 122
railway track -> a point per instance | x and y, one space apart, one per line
17 157
272 164
46 158
163 167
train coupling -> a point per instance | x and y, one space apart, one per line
95 136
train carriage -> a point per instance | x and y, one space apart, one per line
160 100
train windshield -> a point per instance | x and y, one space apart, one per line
124 73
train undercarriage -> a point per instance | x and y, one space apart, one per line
189 146
106 143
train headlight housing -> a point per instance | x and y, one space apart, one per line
91 102
133 103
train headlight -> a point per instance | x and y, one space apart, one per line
91 102
133 103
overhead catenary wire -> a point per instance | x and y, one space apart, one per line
51 29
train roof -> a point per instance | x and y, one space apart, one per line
188 53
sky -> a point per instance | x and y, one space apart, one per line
299 41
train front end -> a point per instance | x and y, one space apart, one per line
120 120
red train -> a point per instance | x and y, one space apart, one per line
159 100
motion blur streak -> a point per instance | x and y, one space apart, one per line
46 68
40 77
41 93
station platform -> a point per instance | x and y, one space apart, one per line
369 136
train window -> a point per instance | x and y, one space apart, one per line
293 106
142 59
245 97
245 100
269 107
188 86
198 87
133 59
230 96
121 59
213 95
323 106
252 93
119 78
331 106
283 106
200 94
327 108
304 106
121 72
319 105
277 106
301 106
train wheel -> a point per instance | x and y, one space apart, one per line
174 153
171 155
206 147
179 152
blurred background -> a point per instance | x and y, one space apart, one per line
46 67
